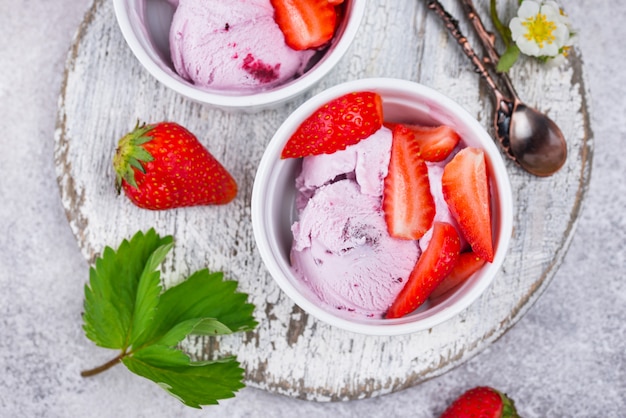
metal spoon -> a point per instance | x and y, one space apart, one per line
543 148
528 136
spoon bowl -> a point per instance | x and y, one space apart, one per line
536 141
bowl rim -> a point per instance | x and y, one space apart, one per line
380 327
259 100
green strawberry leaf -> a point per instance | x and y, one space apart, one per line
196 384
202 295
126 309
113 303
195 326
161 356
148 291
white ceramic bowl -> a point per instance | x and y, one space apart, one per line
274 192
146 30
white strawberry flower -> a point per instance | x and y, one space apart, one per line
541 29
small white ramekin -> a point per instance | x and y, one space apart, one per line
146 31
274 193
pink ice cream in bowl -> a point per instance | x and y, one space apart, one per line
230 54
326 224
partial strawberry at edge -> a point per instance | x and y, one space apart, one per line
433 265
164 166
305 24
435 143
467 264
481 401
339 123
465 186
408 203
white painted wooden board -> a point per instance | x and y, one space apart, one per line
105 91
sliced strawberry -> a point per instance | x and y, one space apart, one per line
465 187
305 23
435 142
408 203
434 264
468 264
341 122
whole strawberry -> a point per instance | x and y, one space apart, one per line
164 166
481 402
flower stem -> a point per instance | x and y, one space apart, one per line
105 366
497 23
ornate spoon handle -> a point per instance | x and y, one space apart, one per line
487 39
453 27
504 106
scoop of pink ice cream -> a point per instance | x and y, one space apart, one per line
343 252
232 45
442 211
366 162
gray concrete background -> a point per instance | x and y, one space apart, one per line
565 358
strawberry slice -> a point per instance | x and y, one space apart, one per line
465 187
435 142
431 268
468 264
408 203
341 122
305 23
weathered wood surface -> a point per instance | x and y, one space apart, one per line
106 90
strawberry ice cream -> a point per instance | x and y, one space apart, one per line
442 212
342 249
234 46
365 162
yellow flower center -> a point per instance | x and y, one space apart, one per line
539 29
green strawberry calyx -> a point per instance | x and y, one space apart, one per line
508 406
130 155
